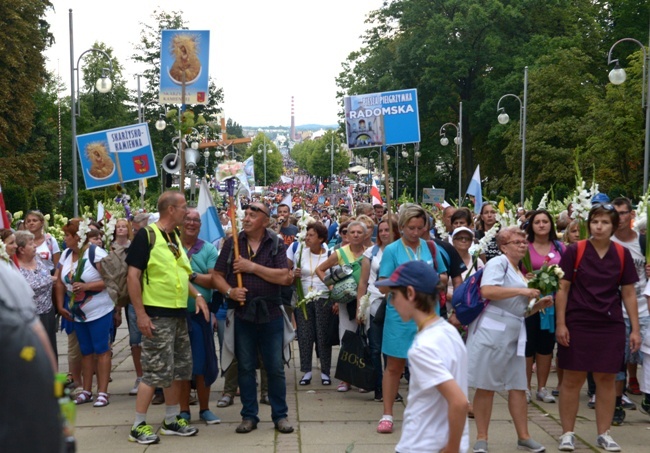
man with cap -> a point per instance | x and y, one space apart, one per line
437 361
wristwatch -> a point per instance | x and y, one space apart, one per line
193 276
228 293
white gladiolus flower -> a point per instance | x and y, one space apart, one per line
543 201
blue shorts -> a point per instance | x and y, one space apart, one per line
135 337
94 336
633 357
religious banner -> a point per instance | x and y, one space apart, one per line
184 57
116 155
382 119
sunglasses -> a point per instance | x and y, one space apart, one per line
174 249
344 231
606 206
463 238
255 209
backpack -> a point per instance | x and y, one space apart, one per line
467 301
114 271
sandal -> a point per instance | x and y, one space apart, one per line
83 397
343 387
102 400
225 401
385 426
326 381
304 381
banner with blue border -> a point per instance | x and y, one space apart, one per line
116 155
382 119
184 54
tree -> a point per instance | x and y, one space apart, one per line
24 35
274 167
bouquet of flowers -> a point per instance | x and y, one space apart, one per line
308 298
3 252
441 229
546 280
84 227
300 237
364 307
108 230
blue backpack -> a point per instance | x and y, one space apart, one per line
467 301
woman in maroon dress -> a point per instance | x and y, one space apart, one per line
590 330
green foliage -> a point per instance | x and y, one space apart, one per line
273 160
16 197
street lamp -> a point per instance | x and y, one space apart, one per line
617 76
417 155
103 85
503 118
371 161
404 154
458 141
264 149
330 149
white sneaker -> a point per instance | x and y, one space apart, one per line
544 395
567 442
134 390
606 442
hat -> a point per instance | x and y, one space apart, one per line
418 274
141 217
460 230
600 198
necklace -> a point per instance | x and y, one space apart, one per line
409 253
311 269
422 325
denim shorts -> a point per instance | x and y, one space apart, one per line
135 337
630 357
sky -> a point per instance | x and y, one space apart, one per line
261 52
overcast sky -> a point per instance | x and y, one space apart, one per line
261 52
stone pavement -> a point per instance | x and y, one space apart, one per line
325 420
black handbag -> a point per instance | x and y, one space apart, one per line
354 365
380 315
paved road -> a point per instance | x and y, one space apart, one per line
326 421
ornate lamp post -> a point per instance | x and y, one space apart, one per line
503 118
264 149
458 140
617 76
103 85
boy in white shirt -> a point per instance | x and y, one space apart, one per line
436 414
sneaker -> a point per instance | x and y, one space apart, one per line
645 407
606 442
379 396
143 434
567 442
134 390
633 387
530 445
592 402
209 418
158 398
179 428
619 417
481 446
544 395
627 403
528 396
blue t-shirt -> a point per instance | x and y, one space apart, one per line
398 253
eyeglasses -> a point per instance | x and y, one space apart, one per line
255 209
517 243
623 212
190 220
463 238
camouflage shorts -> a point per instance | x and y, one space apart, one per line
167 356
